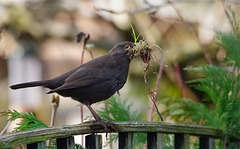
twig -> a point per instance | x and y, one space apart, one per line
153 94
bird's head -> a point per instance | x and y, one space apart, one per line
122 49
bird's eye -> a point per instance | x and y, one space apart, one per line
127 46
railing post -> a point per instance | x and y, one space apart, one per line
125 140
65 143
154 140
38 145
181 141
206 143
93 141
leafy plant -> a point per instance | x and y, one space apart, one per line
28 122
120 110
231 43
221 86
187 110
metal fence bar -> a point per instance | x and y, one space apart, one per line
65 143
181 141
37 145
125 140
155 140
206 143
93 141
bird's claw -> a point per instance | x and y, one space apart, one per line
104 123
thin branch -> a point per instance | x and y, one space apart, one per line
153 94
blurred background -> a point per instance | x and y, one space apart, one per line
38 41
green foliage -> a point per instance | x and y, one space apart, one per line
119 110
231 43
221 88
134 34
187 110
28 122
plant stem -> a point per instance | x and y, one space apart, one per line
82 37
154 97
55 104
179 78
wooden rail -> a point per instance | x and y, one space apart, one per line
125 130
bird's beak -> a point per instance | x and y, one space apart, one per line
142 51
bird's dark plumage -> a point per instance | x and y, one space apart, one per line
93 81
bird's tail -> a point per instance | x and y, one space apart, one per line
28 84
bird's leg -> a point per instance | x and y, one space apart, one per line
97 118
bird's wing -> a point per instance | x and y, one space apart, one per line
86 76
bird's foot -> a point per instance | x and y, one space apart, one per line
107 124
104 123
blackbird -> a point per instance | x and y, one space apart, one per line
94 81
